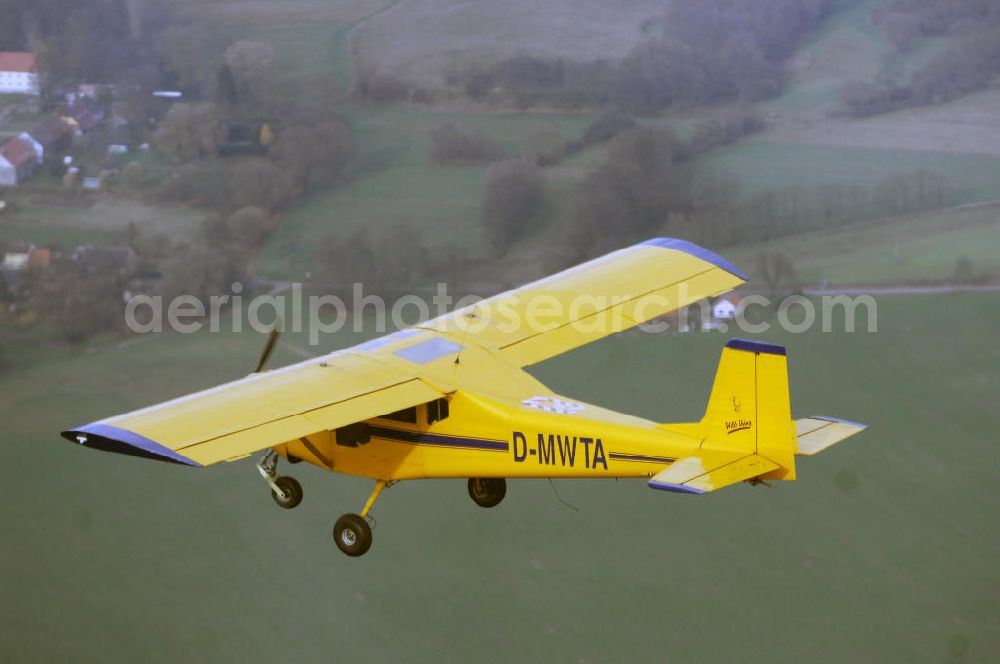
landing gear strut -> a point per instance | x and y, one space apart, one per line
286 491
487 491
353 532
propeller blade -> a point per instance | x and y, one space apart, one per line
272 341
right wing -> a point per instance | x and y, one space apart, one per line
592 300
262 410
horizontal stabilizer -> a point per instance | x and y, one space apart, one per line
818 433
690 474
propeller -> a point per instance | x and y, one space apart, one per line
272 341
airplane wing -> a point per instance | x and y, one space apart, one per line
592 300
238 418
695 474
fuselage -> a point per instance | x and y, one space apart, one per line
497 421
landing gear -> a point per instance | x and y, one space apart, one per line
487 491
353 535
286 491
353 532
291 492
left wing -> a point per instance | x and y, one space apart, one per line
592 300
262 410
690 474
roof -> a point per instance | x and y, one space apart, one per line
17 61
18 152
50 130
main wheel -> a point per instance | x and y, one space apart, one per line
292 490
352 534
487 491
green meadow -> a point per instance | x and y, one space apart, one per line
919 249
397 183
884 550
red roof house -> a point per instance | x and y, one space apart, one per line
17 161
17 73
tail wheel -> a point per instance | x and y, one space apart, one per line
352 534
487 491
292 490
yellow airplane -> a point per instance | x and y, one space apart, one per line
449 398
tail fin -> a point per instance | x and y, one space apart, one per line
749 409
747 433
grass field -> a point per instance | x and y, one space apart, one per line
848 47
396 183
885 550
453 35
48 217
924 248
763 162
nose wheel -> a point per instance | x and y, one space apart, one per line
290 492
487 491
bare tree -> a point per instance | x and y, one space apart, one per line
512 195
258 183
776 269
189 132
249 226
252 66
314 154
451 143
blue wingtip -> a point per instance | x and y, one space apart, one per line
756 346
827 418
122 441
676 488
698 252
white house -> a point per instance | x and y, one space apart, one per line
17 73
725 308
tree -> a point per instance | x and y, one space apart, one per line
190 131
512 195
252 66
249 226
392 260
964 273
775 268
631 193
79 306
200 270
258 183
451 143
314 154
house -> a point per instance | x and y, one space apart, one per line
725 307
17 162
23 255
36 147
17 73
51 136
